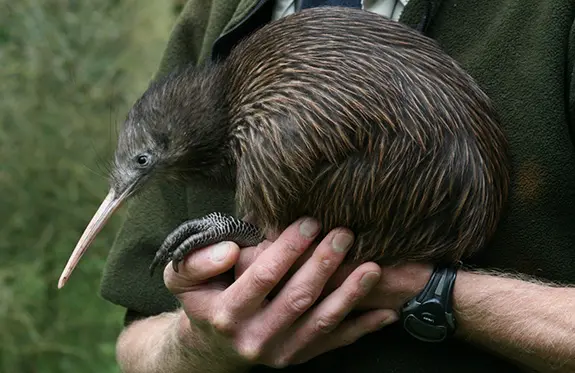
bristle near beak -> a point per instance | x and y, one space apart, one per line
110 204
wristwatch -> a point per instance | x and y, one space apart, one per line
429 316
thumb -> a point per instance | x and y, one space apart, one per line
201 266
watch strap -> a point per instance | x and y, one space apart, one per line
440 286
429 316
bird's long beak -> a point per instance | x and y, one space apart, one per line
110 204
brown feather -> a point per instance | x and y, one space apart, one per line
348 117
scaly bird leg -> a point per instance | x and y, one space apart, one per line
198 233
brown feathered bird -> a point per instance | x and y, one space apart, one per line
334 113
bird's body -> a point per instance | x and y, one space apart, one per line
338 114
364 123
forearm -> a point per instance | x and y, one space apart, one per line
156 345
530 323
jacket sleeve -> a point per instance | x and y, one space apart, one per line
199 24
162 206
571 82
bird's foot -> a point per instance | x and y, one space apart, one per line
198 233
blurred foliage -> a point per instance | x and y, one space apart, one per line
69 71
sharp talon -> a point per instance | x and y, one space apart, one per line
158 259
153 268
197 233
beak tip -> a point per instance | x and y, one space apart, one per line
106 209
62 282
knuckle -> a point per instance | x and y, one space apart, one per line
291 245
222 322
250 352
264 277
299 299
326 324
324 264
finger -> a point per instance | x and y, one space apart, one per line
330 312
306 285
248 256
196 284
248 292
348 332
338 278
351 330
200 266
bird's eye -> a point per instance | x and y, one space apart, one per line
143 159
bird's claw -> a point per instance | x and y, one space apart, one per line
176 261
162 258
198 233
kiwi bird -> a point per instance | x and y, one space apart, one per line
334 113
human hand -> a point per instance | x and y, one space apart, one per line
396 286
247 328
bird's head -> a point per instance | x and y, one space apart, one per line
175 130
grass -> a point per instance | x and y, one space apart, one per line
69 71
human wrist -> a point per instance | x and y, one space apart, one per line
152 345
206 352
416 278
176 355
407 282
476 287
398 284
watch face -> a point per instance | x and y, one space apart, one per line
427 332
428 317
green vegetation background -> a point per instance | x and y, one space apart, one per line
69 71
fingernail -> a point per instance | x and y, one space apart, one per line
309 228
341 242
219 251
369 280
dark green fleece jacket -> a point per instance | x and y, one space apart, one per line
521 52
